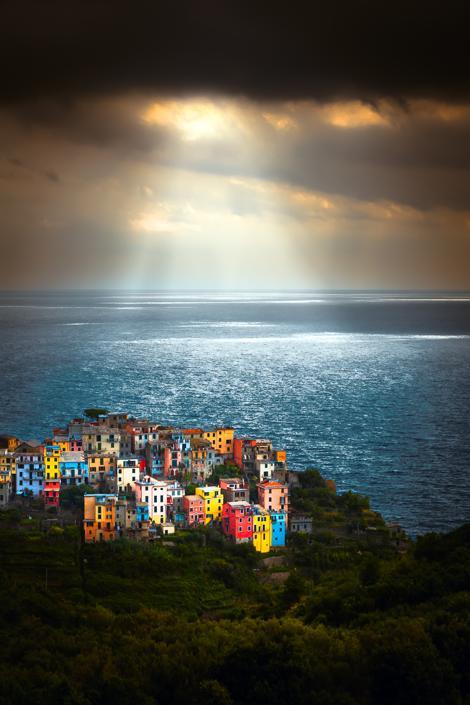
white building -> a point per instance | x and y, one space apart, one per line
265 469
175 495
127 472
155 494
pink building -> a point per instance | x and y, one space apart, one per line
154 493
193 508
172 459
237 521
273 496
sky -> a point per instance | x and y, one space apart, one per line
218 144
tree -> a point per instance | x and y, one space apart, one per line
72 497
370 571
226 470
94 412
293 589
310 478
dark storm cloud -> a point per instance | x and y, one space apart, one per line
421 161
23 168
414 157
420 164
276 50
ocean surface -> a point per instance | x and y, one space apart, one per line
372 388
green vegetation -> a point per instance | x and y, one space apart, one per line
93 413
198 620
227 470
72 497
340 514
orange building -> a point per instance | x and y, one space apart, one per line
221 439
273 496
99 523
102 469
192 432
62 442
279 456
9 443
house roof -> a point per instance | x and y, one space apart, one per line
272 484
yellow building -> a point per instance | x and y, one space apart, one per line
7 463
261 529
213 501
221 439
5 489
7 473
52 462
64 445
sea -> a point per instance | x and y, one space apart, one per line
371 388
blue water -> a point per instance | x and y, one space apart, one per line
372 389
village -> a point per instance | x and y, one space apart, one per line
142 480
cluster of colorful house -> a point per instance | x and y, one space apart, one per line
140 473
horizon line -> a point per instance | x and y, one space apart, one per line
253 290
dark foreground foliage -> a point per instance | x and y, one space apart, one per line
193 622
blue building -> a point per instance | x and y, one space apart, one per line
29 469
73 469
278 527
179 518
154 459
141 511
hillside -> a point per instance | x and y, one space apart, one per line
198 620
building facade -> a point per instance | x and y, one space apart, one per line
29 462
99 523
155 494
213 501
102 470
237 521
221 439
278 529
273 496
51 492
261 529
51 462
193 508
127 473
73 469
234 489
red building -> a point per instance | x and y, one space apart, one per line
51 492
237 521
193 508
240 446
